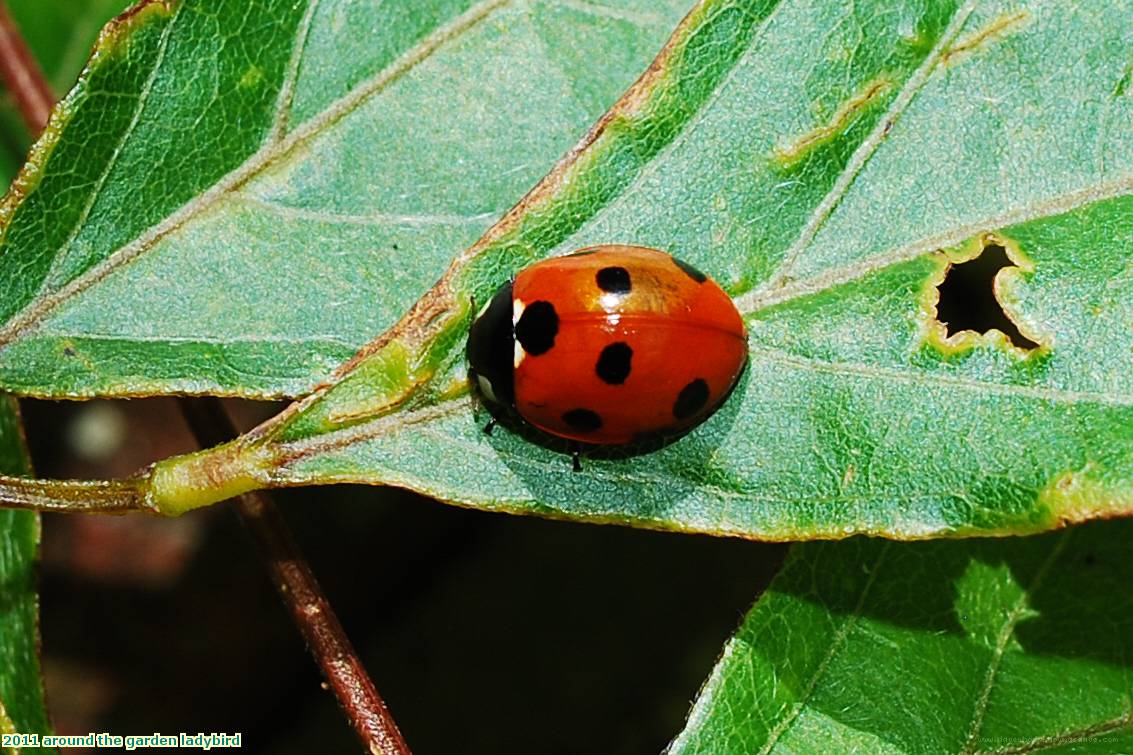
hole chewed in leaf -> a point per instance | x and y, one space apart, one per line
969 307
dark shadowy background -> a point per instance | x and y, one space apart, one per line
485 633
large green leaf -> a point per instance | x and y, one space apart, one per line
1007 646
21 689
814 157
237 195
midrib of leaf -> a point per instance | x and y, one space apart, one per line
766 297
1005 634
266 156
848 624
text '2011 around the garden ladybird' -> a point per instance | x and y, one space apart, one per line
608 345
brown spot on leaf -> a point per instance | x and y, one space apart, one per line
998 28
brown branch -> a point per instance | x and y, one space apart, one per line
290 573
21 75
299 589
73 496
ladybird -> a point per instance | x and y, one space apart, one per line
608 346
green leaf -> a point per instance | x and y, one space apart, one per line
59 35
21 689
270 184
984 646
814 157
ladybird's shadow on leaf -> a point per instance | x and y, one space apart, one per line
941 606
637 484
1077 606
1083 606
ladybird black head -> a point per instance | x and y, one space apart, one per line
491 349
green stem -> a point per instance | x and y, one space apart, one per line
170 487
184 483
113 496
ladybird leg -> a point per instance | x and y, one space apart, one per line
488 427
576 457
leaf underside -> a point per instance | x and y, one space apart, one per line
985 646
813 157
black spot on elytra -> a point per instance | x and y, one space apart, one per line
583 420
614 280
537 328
614 363
690 271
691 399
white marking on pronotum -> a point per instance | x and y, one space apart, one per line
517 308
486 388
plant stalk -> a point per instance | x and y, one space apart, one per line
22 76
301 592
76 496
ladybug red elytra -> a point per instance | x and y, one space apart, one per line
608 345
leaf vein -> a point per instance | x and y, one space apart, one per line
868 147
1005 634
839 639
370 218
96 191
33 314
764 298
934 380
287 91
